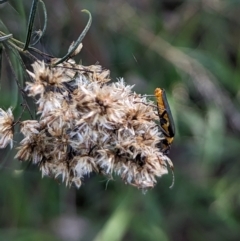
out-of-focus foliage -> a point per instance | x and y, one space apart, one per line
190 48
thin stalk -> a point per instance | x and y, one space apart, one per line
6 37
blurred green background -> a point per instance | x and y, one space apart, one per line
189 48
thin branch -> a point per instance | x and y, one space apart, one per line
18 45
20 117
40 52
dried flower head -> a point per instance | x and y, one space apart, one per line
6 128
89 125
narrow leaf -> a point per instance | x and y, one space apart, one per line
30 23
79 40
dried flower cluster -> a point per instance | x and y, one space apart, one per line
6 128
88 125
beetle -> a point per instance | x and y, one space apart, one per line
166 120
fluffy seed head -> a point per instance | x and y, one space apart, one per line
89 125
